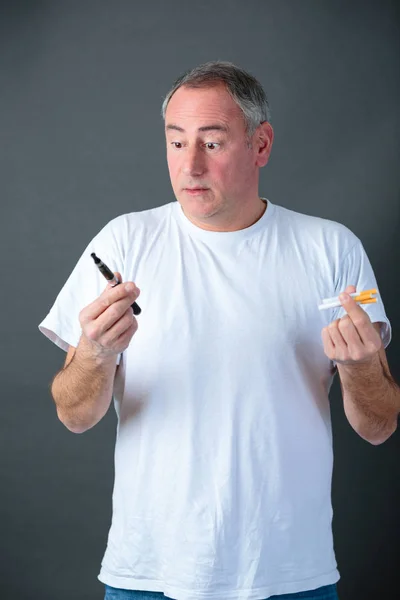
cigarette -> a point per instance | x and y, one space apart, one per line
367 293
365 297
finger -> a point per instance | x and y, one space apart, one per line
113 314
359 317
99 329
350 305
127 292
351 336
126 323
350 289
126 336
115 292
329 347
340 346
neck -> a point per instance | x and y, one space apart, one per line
246 217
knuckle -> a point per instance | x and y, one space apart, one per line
131 326
344 323
133 295
372 347
357 355
114 313
105 299
82 316
127 319
360 321
91 332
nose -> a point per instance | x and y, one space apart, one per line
193 162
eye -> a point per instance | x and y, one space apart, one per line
211 145
176 145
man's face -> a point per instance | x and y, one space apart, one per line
213 171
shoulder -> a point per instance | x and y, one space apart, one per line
134 227
129 237
143 218
315 232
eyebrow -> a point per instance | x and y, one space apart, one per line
204 128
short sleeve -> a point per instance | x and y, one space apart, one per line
85 283
356 269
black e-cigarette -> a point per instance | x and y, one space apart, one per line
109 275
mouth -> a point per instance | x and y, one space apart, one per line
195 190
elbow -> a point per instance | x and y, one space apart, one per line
377 441
381 438
76 428
370 427
72 425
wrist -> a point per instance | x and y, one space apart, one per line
89 350
370 368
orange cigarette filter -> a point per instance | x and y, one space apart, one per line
365 295
370 301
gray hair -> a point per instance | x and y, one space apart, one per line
245 90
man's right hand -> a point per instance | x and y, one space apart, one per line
108 323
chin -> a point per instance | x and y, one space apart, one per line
198 208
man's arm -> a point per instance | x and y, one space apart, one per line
370 395
82 390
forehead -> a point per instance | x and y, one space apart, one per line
194 107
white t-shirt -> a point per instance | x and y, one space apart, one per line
223 458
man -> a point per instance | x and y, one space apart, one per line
223 457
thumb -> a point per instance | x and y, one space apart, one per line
350 289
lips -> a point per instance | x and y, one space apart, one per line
195 191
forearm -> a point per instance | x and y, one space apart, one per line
82 390
371 399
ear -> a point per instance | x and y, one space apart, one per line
262 143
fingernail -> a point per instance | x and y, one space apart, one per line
129 287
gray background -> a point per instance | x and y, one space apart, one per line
81 84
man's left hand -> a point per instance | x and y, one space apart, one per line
353 338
